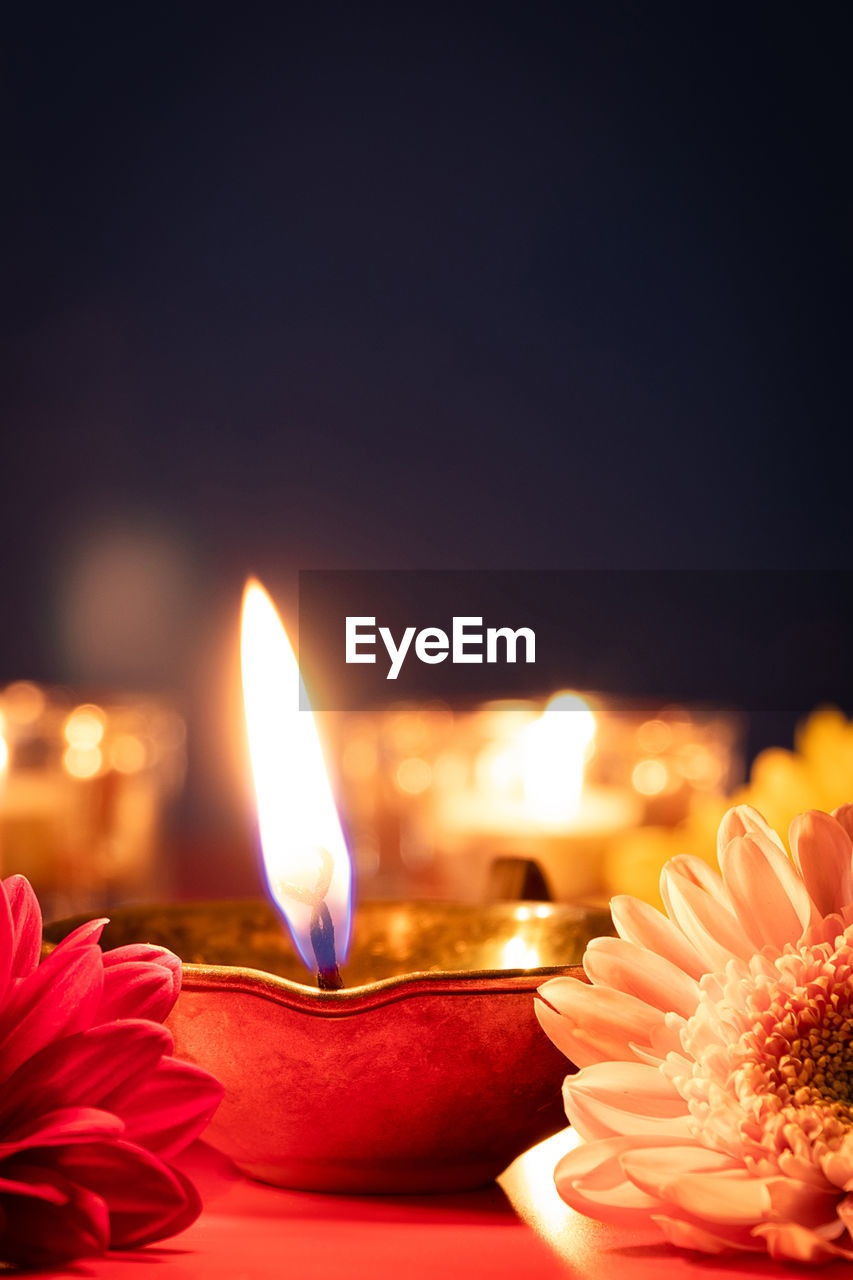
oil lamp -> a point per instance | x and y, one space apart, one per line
427 1071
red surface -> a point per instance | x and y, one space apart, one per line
519 1228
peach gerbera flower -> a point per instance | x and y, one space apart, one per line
715 1047
92 1107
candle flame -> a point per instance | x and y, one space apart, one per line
517 953
555 751
305 855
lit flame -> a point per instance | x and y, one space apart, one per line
555 751
519 954
303 845
84 728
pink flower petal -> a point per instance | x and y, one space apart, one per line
140 981
713 929
90 932
722 1191
562 1033
770 900
809 1205
844 1209
690 1235
641 923
146 1199
743 820
30 1182
791 1242
622 965
844 815
26 925
590 1179
618 1098
58 999
38 1233
732 1197
137 990
697 872
802 1168
837 1169
7 943
83 1069
149 954
59 1128
76 1084
632 1087
658 1164
170 1109
823 852
590 1024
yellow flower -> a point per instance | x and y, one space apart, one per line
817 774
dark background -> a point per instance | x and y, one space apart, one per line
707 636
541 286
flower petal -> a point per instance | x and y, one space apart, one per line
791 1242
844 815
613 1098
170 1109
26 925
711 926
59 1128
622 965
801 1201
690 1235
140 981
590 1179
770 900
658 1165
639 922
89 932
743 820
591 1024
823 853
30 1182
707 1185
76 1084
845 1213
146 1199
696 871
58 999
802 1168
136 989
7 943
83 1069
147 952
38 1232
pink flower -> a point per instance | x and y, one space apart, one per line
715 1095
92 1107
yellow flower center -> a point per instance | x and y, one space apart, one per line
772 1050
815 1067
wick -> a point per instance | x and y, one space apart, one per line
323 941
321 929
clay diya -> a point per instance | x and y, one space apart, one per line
427 1072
